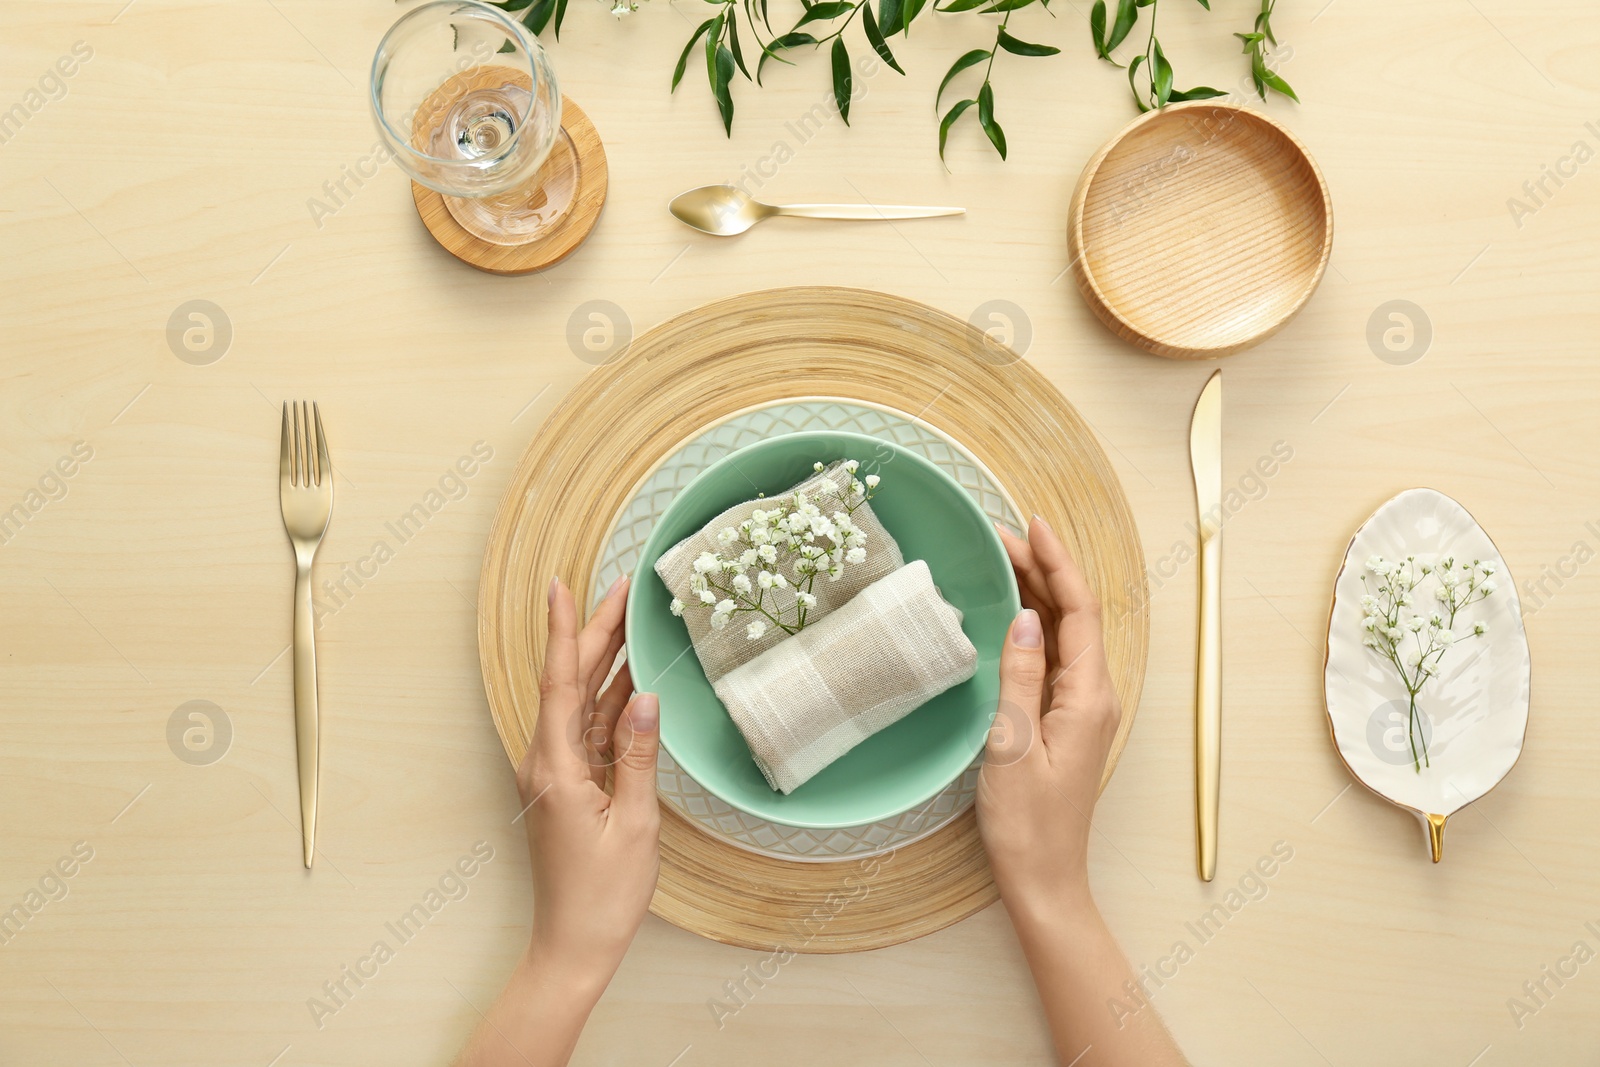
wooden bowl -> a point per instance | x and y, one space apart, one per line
1199 230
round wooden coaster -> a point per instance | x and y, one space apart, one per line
583 141
701 368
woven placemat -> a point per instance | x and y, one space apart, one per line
702 367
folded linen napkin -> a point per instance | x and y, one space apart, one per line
810 699
720 651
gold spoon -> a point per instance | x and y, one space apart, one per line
724 211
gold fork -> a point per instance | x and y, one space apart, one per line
305 492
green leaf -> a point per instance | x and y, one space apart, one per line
1199 92
950 120
960 5
1127 15
1097 27
719 87
909 9
561 13
1161 79
824 11
513 5
683 58
1006 5
507 46
997 136
874 38
777 44
971 59
538 16
733 39
1138 97
842 81
1205 4
1275 82
1249 39
1023 48
713 42
889 12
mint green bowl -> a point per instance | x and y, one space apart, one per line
933 519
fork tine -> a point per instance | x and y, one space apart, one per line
300 445
285 469
324 467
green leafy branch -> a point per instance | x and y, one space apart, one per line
1255 44
822 23
984 100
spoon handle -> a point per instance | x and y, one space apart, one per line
866 212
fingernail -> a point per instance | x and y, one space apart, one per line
1026 631
555 583
1040 520
618 584
645 713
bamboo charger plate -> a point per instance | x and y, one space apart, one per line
701 368
578 141
1199 230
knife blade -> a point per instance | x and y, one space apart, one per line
1205 459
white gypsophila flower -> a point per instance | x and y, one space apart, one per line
817 466
741 583
706 562
748 557
1394 633
1479 629
764 579
1445 638
725 607
719 621
1487 568
727 535
1413 658
852 465
1369 623
1371 642
858 489
1369 603
780 581
856 555
707 597
768 553
755 629
1373 562
1414 624
873 480
1449 579
806 600
676 607
834 573
1487 586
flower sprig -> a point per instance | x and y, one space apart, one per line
770 562
1415 642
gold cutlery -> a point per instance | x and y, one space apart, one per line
724 211
1205 457
305 493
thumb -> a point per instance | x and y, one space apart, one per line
634 742
1022 668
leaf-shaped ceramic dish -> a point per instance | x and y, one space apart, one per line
1473 714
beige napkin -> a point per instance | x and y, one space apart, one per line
720 651
810 699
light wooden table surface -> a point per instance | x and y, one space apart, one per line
179 162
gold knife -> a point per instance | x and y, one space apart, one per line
1205 457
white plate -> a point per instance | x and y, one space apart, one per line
631 528
1474 713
